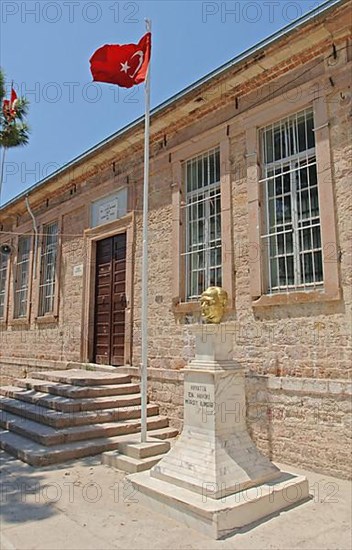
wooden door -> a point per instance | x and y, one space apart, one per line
110 301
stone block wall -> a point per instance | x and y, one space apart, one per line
301 421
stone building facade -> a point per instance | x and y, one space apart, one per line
249 189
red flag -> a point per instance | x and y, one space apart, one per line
9 106
124 65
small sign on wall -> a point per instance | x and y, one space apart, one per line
108 211
78 270
109 208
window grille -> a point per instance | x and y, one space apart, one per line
48 269
3 277
22 277
292 236
203 223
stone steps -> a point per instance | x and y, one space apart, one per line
36 454
130 464
58 419
165 433
48 436
59 415
82 377
135 456
68 405
77 392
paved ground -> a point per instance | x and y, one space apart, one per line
84 505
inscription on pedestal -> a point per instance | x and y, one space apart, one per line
198 396
199 401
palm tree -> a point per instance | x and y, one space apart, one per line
14 131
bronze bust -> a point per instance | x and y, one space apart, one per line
213 302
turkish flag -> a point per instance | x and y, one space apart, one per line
124 65
9 106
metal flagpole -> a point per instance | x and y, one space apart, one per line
144 320
2 170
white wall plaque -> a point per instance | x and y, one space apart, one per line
108 211
78 270
109 208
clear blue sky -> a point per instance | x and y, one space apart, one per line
46 46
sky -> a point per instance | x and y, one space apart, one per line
46 46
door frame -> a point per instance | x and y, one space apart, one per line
126 224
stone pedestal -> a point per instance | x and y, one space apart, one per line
215 463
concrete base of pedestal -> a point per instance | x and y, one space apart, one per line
219 518
215 479
215 452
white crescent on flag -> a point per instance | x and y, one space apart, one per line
140 62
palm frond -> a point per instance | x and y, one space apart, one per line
2 86
22 106
15 132
14 135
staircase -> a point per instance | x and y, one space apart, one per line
57 416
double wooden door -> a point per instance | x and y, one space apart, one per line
110 301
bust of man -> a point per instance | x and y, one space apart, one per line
213 302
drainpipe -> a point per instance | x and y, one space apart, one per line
35 229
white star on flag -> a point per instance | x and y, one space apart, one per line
124 67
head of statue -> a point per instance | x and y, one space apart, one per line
213 302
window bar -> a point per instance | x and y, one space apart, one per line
200 200
202 169
195 257
189 253
275 236
192 240
284 224
3 277
215 266
308 194
188 236
300 239
197 264
187 247
295 236
287 144
298 166
206 240
195 162
277 233
268 231
195 241
296 133
189 258
294 166
219 245
281 142
310 229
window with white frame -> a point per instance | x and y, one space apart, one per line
292 236
4 261
203 223
48 269
22 277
